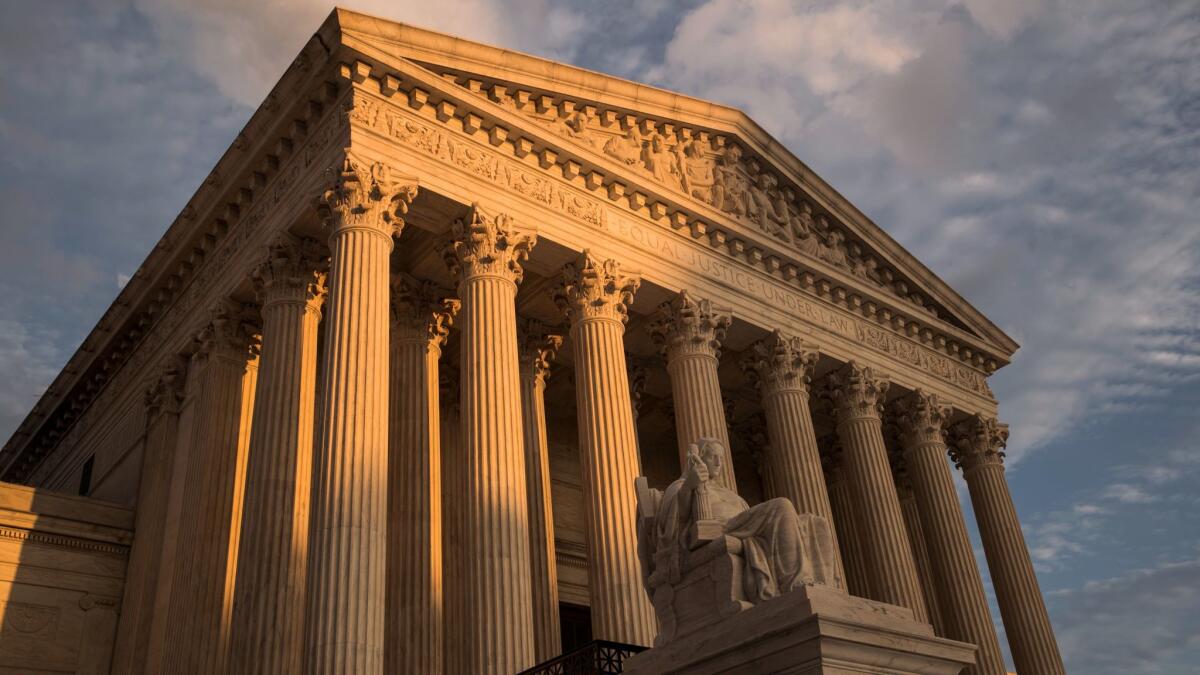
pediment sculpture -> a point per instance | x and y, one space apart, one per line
706 554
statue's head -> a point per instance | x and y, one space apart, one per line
712 453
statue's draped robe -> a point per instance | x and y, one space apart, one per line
781 550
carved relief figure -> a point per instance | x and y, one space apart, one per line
626 149
698 172
730 194
575 125
768 208
780 549
660 161
803 234
832 248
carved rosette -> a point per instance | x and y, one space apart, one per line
856 391
165 394
366 195
536 348
978 442
780 363
686 326
920 419
596 289
232 332
295 270
482 245
421 311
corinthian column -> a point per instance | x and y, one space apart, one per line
362 211
537 350
891 572
841 504
494 615
978 449
421 318
916 541
959 588
690 332
781 367
268 614
595 297
164 398
225 367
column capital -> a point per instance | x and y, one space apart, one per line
780 363
920 418
482 245
164 393
363 195
856 391
232 332
421 312
688 326
295 270
536 348
978 441
595 288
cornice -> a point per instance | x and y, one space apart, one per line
402 102
367 34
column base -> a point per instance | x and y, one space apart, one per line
811 630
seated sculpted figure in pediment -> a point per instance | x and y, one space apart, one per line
704 550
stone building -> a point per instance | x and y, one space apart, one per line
379 395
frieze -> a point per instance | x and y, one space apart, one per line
487 164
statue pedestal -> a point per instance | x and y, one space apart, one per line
811 630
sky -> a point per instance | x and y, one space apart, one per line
1042 156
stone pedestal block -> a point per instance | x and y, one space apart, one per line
809 631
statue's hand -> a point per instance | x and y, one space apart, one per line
697 471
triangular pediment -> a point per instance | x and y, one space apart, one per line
712 158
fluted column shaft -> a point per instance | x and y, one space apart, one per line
163 401
891 570
595 296
421 317
348 556
269 600
841 504
201 594
920 551
964 607
690 332
1022 608
781 366
494 615
537 351
452 463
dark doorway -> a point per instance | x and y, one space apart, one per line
576 622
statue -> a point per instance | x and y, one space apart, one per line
707 554
768 208
626 149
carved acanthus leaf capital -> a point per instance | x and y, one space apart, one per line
920 419
780 363
978 441
637 384
484 245
595 288
164 394
367 195
536 349
421 311
856 391
688 326
295 270
232 332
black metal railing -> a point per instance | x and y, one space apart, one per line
598 657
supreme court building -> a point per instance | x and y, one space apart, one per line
377 400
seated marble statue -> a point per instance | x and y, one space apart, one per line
779 549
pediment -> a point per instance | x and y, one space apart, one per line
667 146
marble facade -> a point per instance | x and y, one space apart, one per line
380 394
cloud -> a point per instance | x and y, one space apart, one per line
1141 622
243 47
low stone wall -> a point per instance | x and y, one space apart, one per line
62 570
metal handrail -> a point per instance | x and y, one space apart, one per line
598 657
